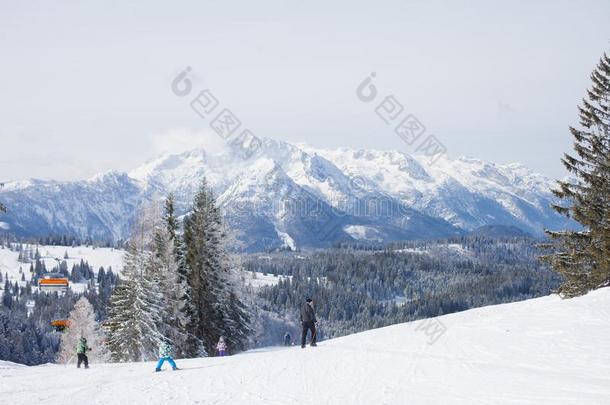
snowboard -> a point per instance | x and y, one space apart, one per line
160 371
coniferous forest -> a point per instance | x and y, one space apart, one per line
356 289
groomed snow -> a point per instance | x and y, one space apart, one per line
542 351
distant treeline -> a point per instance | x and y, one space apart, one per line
358 289
58 240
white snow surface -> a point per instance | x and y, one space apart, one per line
96 257
286 239
361 232
262 280
541 351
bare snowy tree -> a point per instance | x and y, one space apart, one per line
82 324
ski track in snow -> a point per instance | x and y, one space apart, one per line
536 352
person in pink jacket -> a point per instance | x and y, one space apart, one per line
221 347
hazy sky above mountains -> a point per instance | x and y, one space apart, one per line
86 87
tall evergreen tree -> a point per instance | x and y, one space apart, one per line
238 326
583 257
186 342
217 312
7 300
204 323
164 269
2 207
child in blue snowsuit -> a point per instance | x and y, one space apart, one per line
165 353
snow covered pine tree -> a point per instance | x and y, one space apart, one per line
167 268
187 344
136 305
2 207
218 311
583 257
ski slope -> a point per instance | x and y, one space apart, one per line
541 351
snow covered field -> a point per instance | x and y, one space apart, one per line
541 351
96 257
259 280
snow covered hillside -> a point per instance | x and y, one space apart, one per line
258 280
541 351
296 196
51 255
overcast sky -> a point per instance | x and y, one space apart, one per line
86 87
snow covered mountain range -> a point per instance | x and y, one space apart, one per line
296 196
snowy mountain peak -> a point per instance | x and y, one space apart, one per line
110 176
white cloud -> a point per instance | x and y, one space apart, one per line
178 140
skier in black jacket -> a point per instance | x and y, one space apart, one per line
308 320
